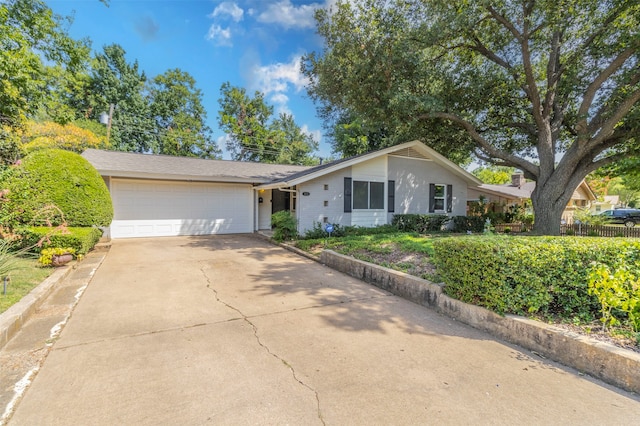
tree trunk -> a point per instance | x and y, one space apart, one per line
548 213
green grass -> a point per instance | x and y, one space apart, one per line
23 280
378 243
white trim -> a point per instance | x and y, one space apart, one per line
444 198
444 162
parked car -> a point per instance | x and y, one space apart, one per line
628 217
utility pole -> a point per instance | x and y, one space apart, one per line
109 123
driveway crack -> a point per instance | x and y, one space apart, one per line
246 319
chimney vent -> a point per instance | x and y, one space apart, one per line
517 180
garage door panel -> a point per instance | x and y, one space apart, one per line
159 208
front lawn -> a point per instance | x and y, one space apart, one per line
402 251
23 280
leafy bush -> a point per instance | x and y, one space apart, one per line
318 231
617 288
80 239
546 275
468 223
421 223
284 225
60 178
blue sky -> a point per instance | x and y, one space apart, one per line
255 44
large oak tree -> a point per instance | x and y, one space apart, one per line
550 87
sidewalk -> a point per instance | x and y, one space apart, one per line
23 355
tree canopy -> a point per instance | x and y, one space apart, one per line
494 175
33 46
176 106
548 87
253 133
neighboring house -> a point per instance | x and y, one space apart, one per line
609 202
518 192
156 195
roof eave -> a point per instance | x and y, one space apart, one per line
193 178
356 160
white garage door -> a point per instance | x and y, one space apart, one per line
163 208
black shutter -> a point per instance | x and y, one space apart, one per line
449 198
347 195
391 196
432 197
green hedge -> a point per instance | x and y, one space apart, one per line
520 275
80 239
421 223
468 224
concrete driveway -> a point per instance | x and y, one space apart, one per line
234 330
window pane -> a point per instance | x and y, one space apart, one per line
377 195
439 203
360 194
440 190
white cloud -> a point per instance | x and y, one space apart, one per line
289 16
230 9
279 98
278 77
220 36
315 134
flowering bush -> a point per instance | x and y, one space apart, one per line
46 255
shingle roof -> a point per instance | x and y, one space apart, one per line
509 190
126 164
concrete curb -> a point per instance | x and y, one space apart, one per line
607 362
17 315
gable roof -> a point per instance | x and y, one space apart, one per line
149 166
507 191
413 149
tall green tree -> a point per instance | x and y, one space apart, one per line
295 146
548 87
34 48
254 136
114 81
180 117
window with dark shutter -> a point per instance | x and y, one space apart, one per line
360 195
440 198
432 197
391 196
347 195
376 195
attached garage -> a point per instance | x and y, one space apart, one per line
144 208
162 196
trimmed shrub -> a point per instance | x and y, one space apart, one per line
421 223
318 231
284 225
60 178
546 275
468 223
80 239
375 230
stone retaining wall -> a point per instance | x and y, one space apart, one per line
609 363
